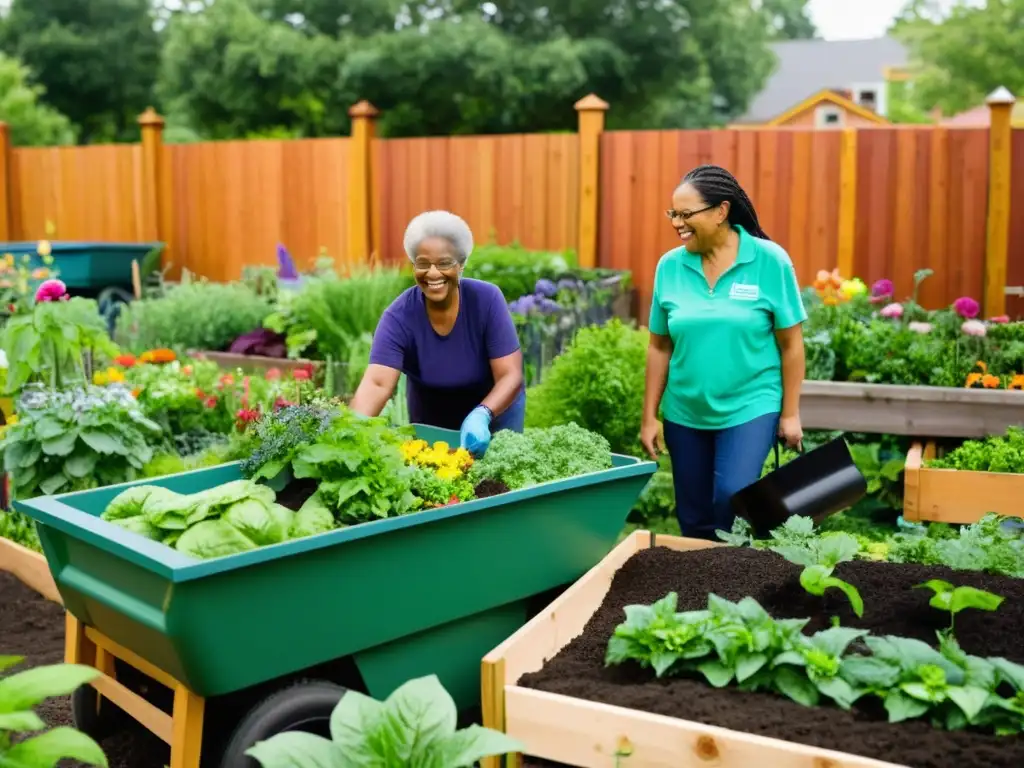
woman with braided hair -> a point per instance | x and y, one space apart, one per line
726 355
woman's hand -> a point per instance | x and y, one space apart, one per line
791 431
652 438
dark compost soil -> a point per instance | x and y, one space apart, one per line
891 608
297 493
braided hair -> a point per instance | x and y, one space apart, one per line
716 185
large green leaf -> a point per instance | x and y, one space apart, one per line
103 442
25 690
61 445
464 748
48 748
22 722
80 464
294 749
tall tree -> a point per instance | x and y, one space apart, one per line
788 19
97 60
31 123
333 17
961 57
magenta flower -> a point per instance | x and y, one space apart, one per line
51 290
892 311
973 328
966 307
883 289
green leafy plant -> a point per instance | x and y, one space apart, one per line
19 528
414 726
19 694
77 439
999 453
953 599
537 456
819 557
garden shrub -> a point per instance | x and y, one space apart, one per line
598 382
192 315
515 270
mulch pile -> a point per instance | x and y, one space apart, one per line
33 627
891 607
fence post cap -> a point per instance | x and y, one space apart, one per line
150 118
1000 97
363 109
591 103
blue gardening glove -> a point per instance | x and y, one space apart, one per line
475 434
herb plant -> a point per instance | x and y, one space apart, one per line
819 558
415 726
999 453
19 694
953 599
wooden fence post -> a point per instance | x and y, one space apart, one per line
360 185
1000 160
5 182
847 203
151 126
590 117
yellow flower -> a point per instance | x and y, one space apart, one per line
441 447
12 420
449 473
9 259
44 248
463 458
851 288
412 448
99 378
40 274
114 376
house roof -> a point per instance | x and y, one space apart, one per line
981 117
831 97
806 67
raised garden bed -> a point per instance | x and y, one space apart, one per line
29 568
956 496
548 686
909 410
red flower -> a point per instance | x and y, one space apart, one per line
301 374
125 361
281 403
211 401
226 380
246 416
272 374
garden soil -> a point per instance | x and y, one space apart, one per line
891 607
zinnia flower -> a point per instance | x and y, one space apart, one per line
919 327
973 328
882 289
1017 382
893 311
51 290
1000 319
125 361
967 308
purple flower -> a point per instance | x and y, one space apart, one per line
547 306
286 264
51 290
966 307
882 289
545 287
523 305
570 284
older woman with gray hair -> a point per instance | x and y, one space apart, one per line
453 338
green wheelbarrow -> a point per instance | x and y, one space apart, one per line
215 655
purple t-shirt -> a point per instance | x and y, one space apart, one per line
446 376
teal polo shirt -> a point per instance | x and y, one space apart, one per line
725 368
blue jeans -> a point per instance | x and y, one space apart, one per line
710 465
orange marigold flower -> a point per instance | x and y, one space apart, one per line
125 361
1017 382
981 366
988 381
146 357
136 392
162 355
830 301
973 380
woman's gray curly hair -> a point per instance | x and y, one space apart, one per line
439 224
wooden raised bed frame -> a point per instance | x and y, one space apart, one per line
909 410
956 496
589 734
29 568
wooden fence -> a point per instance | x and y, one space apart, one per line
876 202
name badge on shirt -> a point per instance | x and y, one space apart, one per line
744 292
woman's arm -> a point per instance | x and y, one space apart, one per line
659 352
508 380
791 348
375 389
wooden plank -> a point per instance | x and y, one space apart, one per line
589 734
909 410
152 718
30 568
957 496
129 657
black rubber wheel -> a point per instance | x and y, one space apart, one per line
94 716
305 706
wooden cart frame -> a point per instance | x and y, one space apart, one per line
589 734
956 496
29 568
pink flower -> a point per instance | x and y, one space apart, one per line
973 328
51 290
966 307
893 310
883 289
1000 319
919 327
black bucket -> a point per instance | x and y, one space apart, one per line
814 484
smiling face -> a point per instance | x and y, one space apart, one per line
697 222
437 268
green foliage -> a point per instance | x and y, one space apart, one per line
19 528
196 314
47 344
598 383
437 491
953 599
275 440
740 643
22 106
75 440
20 693
998 453
68 45
541 455
416 725
331 315
819 557
516 270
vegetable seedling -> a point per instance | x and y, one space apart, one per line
953 599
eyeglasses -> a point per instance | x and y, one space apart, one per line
443 265
686 215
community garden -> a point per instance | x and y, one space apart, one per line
885 635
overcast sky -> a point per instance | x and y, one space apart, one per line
856 19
